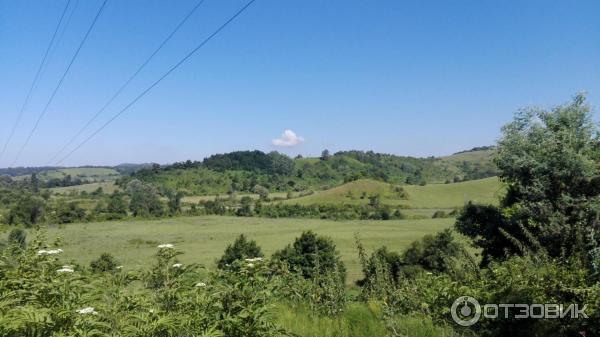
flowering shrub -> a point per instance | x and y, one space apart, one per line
42 296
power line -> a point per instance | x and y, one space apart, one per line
35 81
60 36
143 93
37 122
118 92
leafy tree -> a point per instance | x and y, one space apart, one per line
312 254
216 206
280 163
105 263
117 206
325 155
6 180
174 202
390 259
242 248
144 199
69 212
245 207
17 237
432 253
35 183
262 192
548 161
29 210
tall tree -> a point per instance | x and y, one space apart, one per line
548 160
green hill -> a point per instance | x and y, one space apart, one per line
241 171
88 174
469 165
416 200
487 191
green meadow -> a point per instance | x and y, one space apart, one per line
203 239
420 201
107 187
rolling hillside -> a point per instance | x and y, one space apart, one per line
242 170
107 187
417 200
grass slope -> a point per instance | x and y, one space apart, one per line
432 196
486 191
96 174
107 187
349 193
203 239
469 164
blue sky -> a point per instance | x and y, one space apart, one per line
413 78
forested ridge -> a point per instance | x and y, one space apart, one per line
242 170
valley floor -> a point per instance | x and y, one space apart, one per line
203 239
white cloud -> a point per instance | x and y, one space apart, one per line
288 139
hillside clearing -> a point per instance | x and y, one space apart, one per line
432 196
107 187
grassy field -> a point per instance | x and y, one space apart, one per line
107 187
486 190
96 174
197 198
203 239
421 200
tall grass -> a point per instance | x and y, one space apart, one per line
358 320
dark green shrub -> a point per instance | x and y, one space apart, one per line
392 261
29 210
105 263
439 214
69 213
245 207
433 253
242 248
312 254
17 238
144 199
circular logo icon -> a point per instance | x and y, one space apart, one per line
465 311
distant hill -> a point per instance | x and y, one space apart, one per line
240 171
22 171
470 165
432 196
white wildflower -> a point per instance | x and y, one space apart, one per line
250 265
177 265
151 311
87 310
49 251
200 284
166 245
255 259
119 267
65 269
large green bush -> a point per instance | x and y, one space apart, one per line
241 249
311 255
